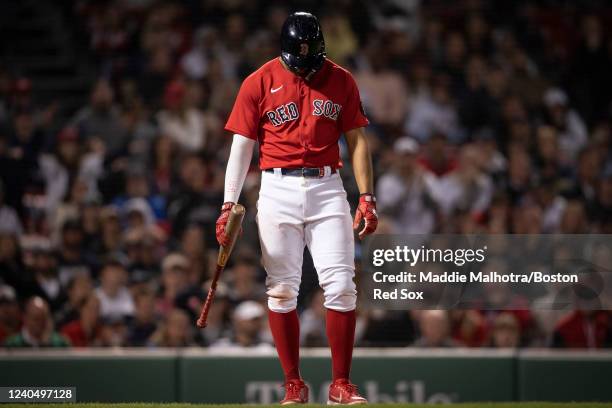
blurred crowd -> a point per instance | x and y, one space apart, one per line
486 116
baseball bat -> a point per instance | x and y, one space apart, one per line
232 229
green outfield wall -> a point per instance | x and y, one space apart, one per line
383 375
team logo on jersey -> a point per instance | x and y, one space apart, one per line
283 113
326 108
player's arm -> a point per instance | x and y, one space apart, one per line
235 174
361 159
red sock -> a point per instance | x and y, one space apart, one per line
285 329
341 335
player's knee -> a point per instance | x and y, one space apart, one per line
341 294
282 297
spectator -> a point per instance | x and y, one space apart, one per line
434 326
37 328
435 113
174 281
71 256
437 156
14 174
44 274
466 189
175 331
141 252
196 201
137 186
247 325
217 323
9 221
506 331
84 331
100 122
312 322
387 328
116 302
572 130
185 126
384 93
405 192
113 331
27 141
78 290
244 283
164 155
144 324
196 62
11 262
469 328
584 329
111 231
10 315
193 245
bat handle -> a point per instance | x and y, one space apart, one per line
201 323
204 315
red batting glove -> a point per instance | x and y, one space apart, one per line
223 239
366 210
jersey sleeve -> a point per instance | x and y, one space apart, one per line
245 115
352 116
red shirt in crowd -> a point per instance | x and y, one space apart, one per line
297 122
584 330
75 332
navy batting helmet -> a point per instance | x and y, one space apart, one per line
302 44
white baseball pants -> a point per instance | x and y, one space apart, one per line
293 212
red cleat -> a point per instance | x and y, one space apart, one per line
342 392
296 392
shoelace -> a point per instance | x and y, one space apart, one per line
291 386
351 387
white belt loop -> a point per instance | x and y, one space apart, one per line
327 171
278 172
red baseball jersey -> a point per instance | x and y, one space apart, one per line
297 122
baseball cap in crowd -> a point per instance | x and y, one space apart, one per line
249 310
7 294
555 97
142 207
175 260
174 94
406 145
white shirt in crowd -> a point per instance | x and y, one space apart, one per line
408 202
189 132
120 305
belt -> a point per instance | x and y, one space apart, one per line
309 172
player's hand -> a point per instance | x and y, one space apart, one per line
222 238
366 211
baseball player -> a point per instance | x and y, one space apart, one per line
297 106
